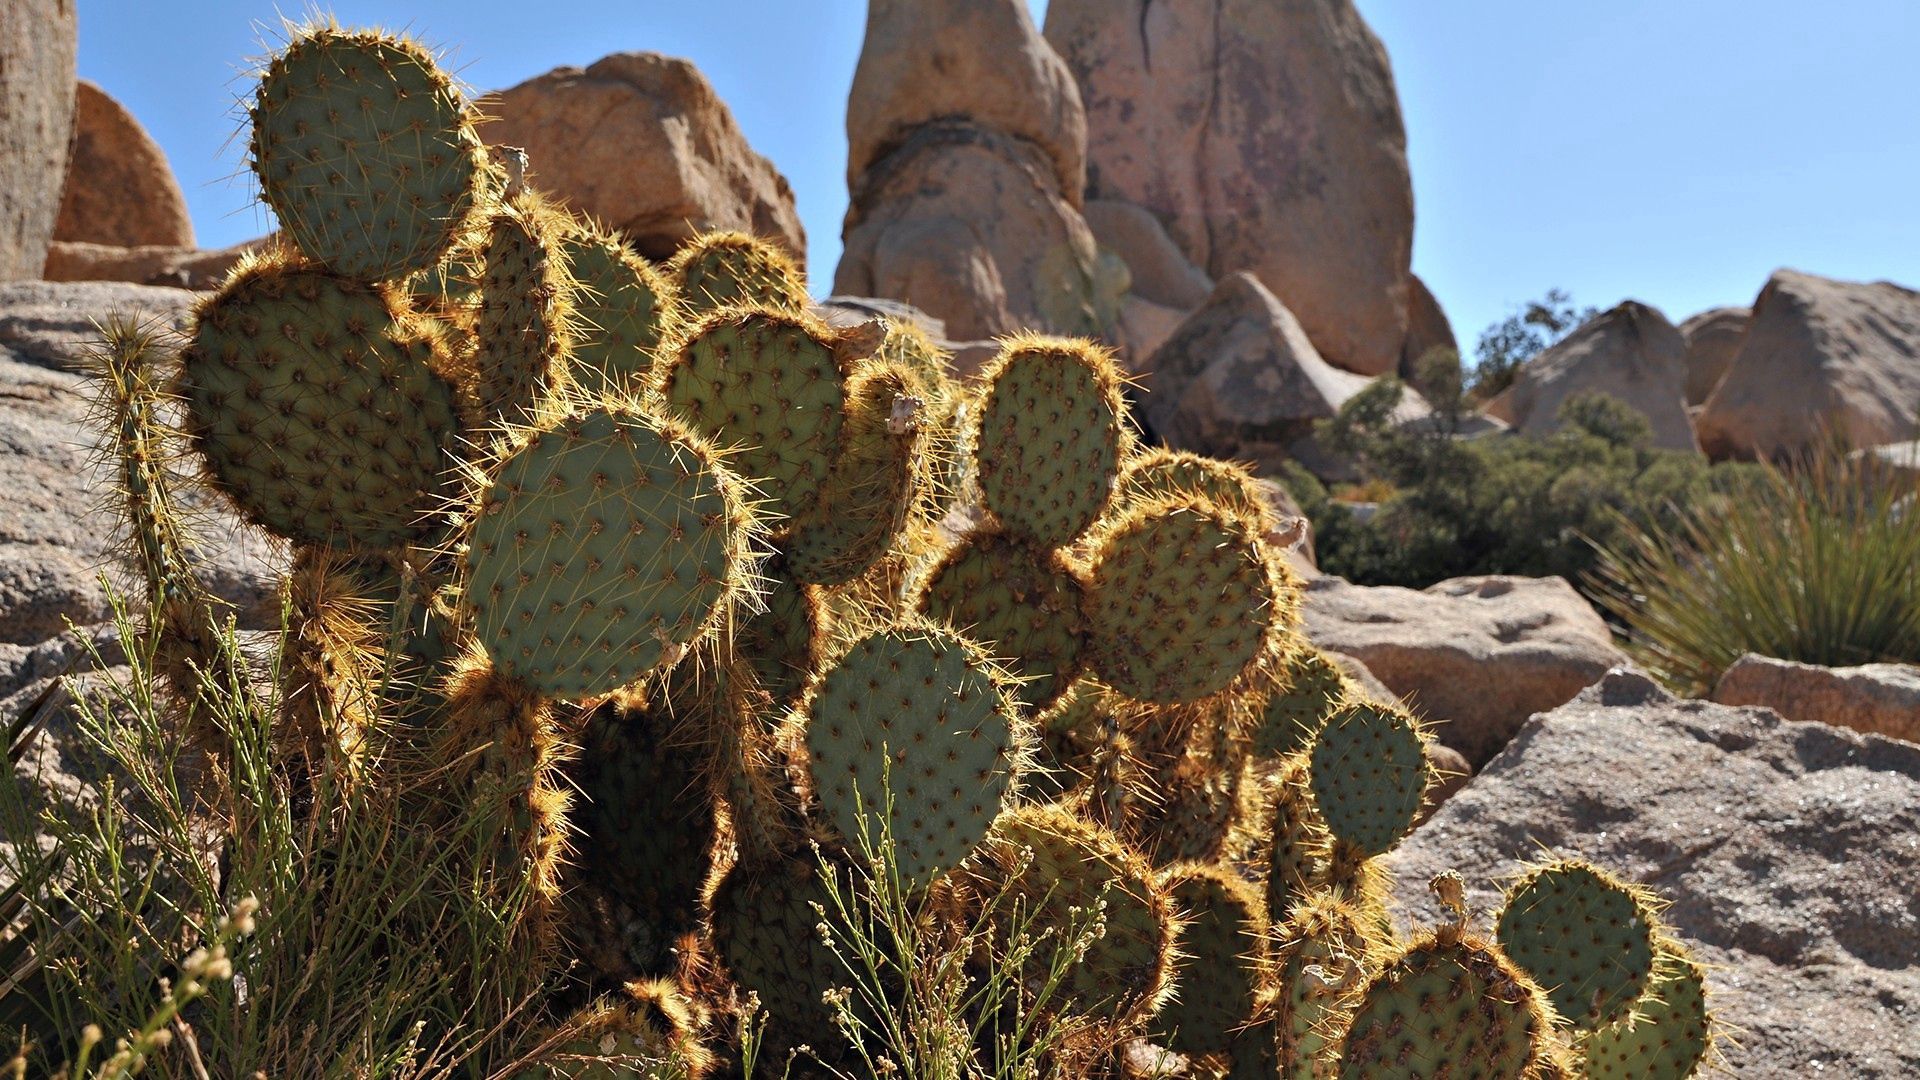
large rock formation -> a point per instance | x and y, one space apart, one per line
1790 852
1880 698
1479 655
180 267
1266 135
1712 337
1631 352
119 188
1821 358
1427 328
1239 379
641 142
959 206
36 120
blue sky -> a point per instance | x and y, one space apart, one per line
1673 152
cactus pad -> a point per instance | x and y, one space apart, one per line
602 548
918 715
1021 601
1182 598
1447 1006
765 928
1298 841
770 385
316 403
871 485
1321 954
1669 1035
732 269
1222 956
1070 733
1050 436
1368 774
623 307
1161 473
627 1034
1126 973
1582 934
780 642
366 152
525 322
1309 687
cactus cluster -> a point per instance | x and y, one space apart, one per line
669 567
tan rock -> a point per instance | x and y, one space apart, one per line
1451 772
1240 380
1880 698
1427 327
1820 357
1902 459
641 142
180 267
1144 327
1631 352
36 122
927 60
1267 135
1159 271
968 224
1476 655
1712 337
119 189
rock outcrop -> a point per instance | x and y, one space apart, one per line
119 190
642 143
179 267
1427 328
1712 337
959 206
1240 379
1631 352
1821 358
1267 136
1790 852
1477 655
1879 698
37 51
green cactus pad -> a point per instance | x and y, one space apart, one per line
1161 473
918 714
765 929
1669 1035
1582 934
646 828
366 152
623 307
1310 686
316 403
1187 811
1021 601
1069 735
1321 951
1125 974
1447 1006
1050 436
1182 598
1368 774
1221 945
770 386
525 322
603 548
731 269
1298 841
781 642
871 486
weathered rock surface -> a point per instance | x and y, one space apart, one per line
1427 327
969 224
52 323
1880 698
1267 135
179 267
1157 268
1712 337
1478 655
1790 852
36 122
642 143
119 188
1631 352
1821 356
981 60
1901 458
1240 379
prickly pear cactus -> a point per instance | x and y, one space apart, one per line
870 488
1159 473
645 1029
603 547
366 152
1584 935
766 930
1182 599
1050 435
525 323
1309 686
1223 954
1021 600
1369 773
1297 841
622 306
1447 1005
914 720
317 403
1668 1036
1319 959
731 269
783 642
1070 734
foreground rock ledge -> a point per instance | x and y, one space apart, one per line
1790 851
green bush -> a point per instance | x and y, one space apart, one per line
1495 504
1818 566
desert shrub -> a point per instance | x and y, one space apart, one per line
1819 566
1518 338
